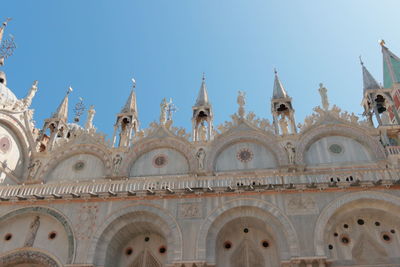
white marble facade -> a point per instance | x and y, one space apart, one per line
247 193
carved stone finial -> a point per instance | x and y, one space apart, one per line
382 43
27 101
324 96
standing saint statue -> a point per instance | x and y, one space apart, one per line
284 125
33 169
291 151
33 228
163 111
90 116
117 163
324 96
200 155
202 132
241 100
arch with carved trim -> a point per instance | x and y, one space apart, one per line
64 153
57 215
245 207
270 142
358 134
32 256
159 220
146 145
18 129
353 201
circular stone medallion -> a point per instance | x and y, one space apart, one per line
335 148
160 161
79 165
5 144
244 155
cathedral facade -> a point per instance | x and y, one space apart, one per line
247 193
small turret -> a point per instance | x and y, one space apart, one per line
56 125
282 109
202 118
127 122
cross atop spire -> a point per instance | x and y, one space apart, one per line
279 91
62 110
202 98
130 105
369 81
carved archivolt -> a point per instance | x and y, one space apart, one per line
244 207
367 199
66 152
56 215
357 134
185 148
270 142
150 214
28 256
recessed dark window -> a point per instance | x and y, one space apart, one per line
360 221
7 237
392 231
330 247
335 234
52 235
377 223
386 237
246 230
345 225
265 244
227 245
128 251
345 240
146 239
162 249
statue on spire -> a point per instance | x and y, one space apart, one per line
163 111
241 100
89 121
324 96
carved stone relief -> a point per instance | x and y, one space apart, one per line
86 222
33 228
190 210
300 205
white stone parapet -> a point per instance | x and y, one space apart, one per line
171 184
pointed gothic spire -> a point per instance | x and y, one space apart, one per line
369 81
391 66
279 90
130 105
202 98
62 110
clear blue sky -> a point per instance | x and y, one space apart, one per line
97 46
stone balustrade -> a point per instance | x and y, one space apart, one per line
192 184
